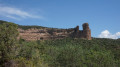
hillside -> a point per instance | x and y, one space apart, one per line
25 27
71 52
33 33
66 52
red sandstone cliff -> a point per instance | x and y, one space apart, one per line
45 34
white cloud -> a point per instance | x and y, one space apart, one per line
118 34
107 34
9 16
15 13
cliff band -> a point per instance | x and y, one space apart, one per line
33 34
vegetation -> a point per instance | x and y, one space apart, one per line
8 35
67 52
29 27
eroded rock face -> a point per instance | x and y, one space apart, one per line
46 34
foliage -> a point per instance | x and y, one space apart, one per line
8 35
29 27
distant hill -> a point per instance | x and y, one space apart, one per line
45 33
25 27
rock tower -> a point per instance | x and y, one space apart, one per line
83 34
86 31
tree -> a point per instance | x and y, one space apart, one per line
8 37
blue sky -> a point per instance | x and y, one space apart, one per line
103 16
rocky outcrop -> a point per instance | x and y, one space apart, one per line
86 31
46 34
